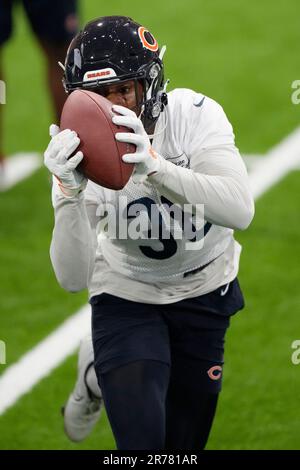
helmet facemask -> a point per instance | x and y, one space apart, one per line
112 50
155 97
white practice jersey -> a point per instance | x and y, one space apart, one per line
170 237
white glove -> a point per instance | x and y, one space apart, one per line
61 146
147 161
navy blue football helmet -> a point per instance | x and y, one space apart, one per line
113 49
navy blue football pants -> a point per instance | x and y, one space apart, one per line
147 411
160 367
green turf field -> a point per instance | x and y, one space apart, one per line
244 55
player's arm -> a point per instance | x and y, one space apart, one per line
72 248
217 176
217 179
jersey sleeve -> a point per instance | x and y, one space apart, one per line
73 243
217 176
208 126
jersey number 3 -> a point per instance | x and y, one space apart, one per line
169 244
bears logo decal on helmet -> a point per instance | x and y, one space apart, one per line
142 34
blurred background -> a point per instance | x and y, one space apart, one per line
245 56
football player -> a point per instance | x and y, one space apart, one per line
161 305
54 23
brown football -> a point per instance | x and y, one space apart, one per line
89 115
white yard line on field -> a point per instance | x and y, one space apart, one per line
21 377
276 164
18 167
251 160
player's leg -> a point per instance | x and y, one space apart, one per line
190 408
1 129
55 23
197 348
5 33
84 404
134 396
53 54
132 363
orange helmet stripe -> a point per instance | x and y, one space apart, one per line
151 47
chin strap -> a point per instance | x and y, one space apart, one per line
151 136
164 101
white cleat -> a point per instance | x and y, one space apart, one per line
82 409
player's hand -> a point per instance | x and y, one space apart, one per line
147 161
56 159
